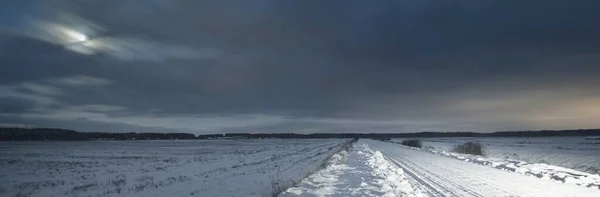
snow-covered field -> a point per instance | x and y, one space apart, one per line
284 168
159 168
571 152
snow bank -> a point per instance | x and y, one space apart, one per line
359 172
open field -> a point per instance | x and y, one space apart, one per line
159 168
285 168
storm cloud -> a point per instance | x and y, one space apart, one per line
300 66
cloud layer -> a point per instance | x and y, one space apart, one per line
300 66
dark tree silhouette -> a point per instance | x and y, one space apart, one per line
23 134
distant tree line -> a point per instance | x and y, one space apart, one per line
26 134
543 133
138 136
40 134
34 134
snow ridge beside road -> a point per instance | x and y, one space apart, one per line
361 171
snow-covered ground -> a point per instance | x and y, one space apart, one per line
359 172
159 168
497 147
259 168
375 168
539 170
570 152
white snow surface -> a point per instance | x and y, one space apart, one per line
501 153
158 168
438 175
260 168
576 153
543 171
361 171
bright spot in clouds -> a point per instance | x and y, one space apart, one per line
75 36
82 36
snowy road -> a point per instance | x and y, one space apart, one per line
442 176
360 172
374 168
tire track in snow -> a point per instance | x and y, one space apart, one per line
429 184
423 183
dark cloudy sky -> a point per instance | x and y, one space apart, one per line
206 66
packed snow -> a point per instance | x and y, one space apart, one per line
159 168
359 172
